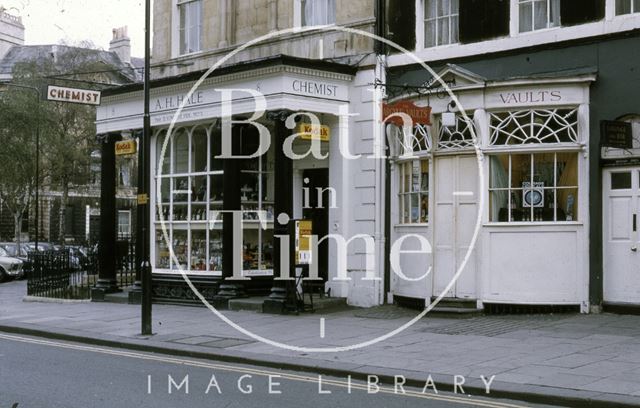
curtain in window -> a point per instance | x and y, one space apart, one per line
499 178
319 12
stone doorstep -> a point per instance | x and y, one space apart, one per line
256 304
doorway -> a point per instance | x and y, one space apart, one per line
621 241
315 207
456 211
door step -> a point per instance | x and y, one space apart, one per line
456 307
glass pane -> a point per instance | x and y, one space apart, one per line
199 150
430 33
162 250
621 181
415 175
554 13
180 250
543 169
520 170
216 149
160 157
406 174
183 30
430 9
443 31
455 6
636 6
498 206
526 17
424 208
567 204
215 192
443 8
198 250
180 152
540 14
424 177
623 7
267 250
215 250
499 171
454 30
415 208
567 170
407 208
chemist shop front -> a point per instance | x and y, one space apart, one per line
194 188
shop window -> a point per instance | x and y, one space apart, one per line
190 14
440 22
534 127
538 14
458 137
318 12
191 198
483 19
124 224
414 191
627 7
621 180
413 170
534 187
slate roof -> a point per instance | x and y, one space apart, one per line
123 73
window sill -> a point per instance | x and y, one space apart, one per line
533 224
416 225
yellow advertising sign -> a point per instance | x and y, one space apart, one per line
304 230
126 147
308 131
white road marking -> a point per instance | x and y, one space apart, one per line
264 373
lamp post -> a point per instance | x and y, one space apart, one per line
39 99
144 183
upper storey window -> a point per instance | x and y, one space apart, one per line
318 12
538 14
440 22
190 25
627 6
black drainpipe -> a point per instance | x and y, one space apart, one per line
381 50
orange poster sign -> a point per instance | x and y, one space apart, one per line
418 114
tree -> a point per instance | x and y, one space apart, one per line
18 113
67 130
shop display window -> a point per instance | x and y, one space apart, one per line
190 187
534 187
414 192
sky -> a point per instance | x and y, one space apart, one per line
73 21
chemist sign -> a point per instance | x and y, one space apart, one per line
73 95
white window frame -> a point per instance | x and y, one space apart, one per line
177 37
519 3
633 9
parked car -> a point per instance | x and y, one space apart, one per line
12 249
10 268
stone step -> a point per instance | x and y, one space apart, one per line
457 303
256 303
118 297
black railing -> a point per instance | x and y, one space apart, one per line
66 274
56 274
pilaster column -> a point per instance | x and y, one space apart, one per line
107 282
281 291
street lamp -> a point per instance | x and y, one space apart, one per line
39 96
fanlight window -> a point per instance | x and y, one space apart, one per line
534 127
458 137
408 145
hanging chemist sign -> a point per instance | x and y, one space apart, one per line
73 95
420 115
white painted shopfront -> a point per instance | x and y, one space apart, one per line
191 177
532 152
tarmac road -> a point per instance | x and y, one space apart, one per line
46 373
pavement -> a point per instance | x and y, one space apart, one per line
567 359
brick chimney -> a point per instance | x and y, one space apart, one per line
11 31
121 44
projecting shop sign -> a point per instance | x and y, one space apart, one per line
73 95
